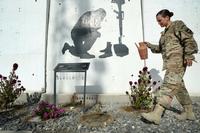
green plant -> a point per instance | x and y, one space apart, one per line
10 88
46 111
140 95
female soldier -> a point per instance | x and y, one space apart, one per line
177 47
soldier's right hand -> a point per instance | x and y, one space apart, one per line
147 44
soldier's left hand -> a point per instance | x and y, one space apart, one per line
188 62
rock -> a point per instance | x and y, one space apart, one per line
22 99
34 97
35 119
123 122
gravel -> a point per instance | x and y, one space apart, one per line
122 122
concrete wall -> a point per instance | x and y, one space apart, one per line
108 75
22 40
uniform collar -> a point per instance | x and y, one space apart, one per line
163 32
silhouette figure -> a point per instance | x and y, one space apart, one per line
85 33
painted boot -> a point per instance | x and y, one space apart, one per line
86 56
107 51
65 47
187 113
155 115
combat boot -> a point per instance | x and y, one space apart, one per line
155 115
65 48
107 51
86 56
187 113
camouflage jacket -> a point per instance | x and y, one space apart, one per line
176 44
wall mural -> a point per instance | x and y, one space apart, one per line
85 33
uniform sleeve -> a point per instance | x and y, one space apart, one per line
187 40
154 48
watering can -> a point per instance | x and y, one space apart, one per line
142 49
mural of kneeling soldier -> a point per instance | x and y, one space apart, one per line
85 33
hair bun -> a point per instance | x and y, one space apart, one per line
171 14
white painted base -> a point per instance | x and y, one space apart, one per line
102 98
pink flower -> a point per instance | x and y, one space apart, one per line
45 115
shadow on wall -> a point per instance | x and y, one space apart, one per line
99 69
60 24
60 27
155 76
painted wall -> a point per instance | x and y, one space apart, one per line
111 75
106 75
22 39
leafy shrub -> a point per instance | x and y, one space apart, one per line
10 88
140 95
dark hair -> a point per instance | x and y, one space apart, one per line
165 13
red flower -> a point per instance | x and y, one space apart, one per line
15 66
23 89
130 82
145 69
149 76
14 81
140 72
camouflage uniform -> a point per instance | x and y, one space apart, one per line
176 44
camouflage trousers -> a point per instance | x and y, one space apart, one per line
173 85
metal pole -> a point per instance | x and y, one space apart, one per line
142 18
46 43
84 87
54 87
